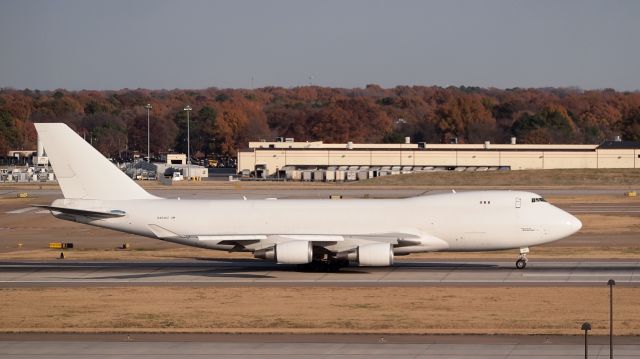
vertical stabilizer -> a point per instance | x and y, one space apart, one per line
82 171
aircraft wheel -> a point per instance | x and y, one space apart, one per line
521 263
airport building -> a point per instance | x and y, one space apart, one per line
318 161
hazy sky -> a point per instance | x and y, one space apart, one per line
113 44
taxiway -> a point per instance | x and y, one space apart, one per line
121 346
264 274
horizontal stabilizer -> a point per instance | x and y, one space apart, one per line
83 212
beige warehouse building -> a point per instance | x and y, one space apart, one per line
270 157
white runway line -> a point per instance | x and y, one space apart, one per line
21 210
579 275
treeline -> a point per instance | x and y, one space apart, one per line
224 120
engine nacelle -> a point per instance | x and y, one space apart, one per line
292 252
373 255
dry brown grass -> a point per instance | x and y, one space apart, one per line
593 199
609 224
318 310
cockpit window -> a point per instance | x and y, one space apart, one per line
539 199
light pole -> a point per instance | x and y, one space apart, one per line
148 107
586 327
611 283
188 109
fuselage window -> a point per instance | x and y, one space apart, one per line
539 199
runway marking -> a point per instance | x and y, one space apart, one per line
21 210
579 275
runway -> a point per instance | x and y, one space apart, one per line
122 346
265 274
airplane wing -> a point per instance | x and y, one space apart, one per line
398 239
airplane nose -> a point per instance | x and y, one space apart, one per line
573 224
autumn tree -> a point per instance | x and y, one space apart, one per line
631 126
11 137
551 125
108 133
224 120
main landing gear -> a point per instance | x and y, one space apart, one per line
323 262
323 266
521 263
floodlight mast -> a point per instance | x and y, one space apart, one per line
148 107
188 109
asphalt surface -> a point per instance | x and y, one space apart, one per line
264 274
300 346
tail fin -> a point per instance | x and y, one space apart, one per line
82 171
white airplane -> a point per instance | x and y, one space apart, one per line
316 234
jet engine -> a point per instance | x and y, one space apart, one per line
372 255
292 252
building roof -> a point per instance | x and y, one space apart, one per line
319 145
619 145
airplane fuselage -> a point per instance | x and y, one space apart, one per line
465 221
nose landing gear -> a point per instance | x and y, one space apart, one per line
521 263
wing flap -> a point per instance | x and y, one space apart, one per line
220 238
306 237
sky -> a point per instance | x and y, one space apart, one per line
159 44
